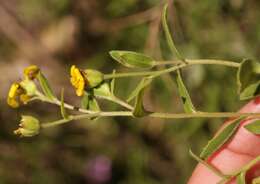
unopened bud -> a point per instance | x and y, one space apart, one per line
93 77
28 127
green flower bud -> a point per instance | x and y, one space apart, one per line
29 86
93 77
28 127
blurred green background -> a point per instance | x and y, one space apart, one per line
54 34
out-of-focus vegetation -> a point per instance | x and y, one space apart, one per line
55 34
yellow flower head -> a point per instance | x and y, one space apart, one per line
16 90
77 80
31 72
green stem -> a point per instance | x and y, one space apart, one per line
201 115
154 115
56 123
85 116
118 101
174 68
122 103
168 36
58 102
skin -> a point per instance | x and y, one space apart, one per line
242 148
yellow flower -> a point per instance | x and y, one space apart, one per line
77 80
17 91
31 72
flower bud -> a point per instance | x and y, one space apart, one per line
28 127
31 72
93 77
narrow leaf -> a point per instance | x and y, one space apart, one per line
142 84
62 108
132 59
221 138
45 86
254 127
139 110
85 101
168 36
241 178
93 104
250 91
185 97
248 79
89 102
112 84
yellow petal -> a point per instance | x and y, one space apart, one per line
77 80
13 90
12 102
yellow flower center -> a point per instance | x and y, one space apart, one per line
77 80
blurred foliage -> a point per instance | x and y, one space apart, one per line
57 34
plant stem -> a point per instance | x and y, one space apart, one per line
118 101
154 115
201 61
122 103
201 115
85 116
174 68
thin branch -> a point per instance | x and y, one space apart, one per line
174 68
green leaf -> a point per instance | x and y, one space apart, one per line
132 59
93 105
103 91
168 36
185 97
254 127
248 79
45 86
221 138
250 91
62 108
142 84
112 84
241 178
139 110
89 102
85 101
